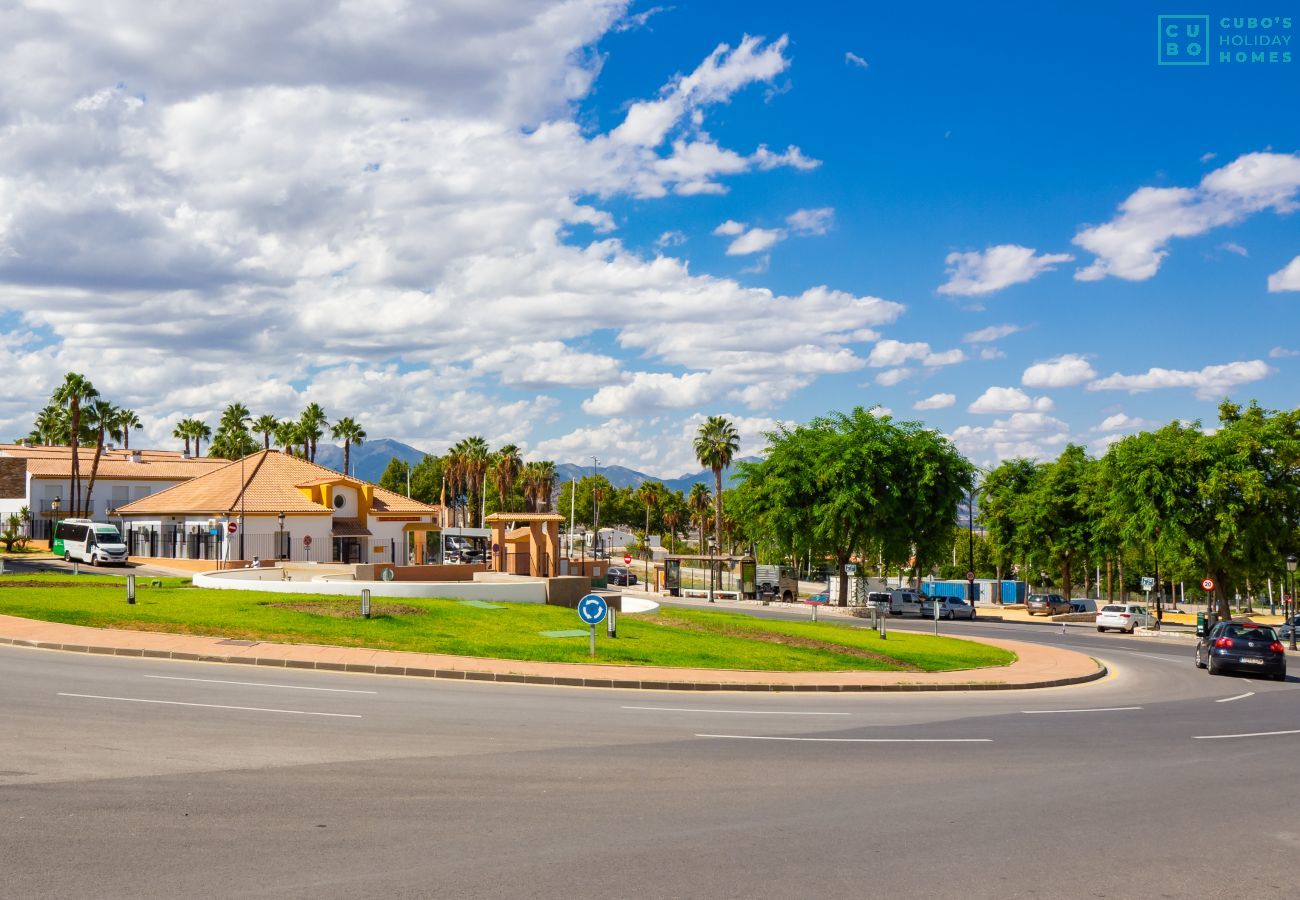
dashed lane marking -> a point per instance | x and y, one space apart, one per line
292 712
1238 697
1043 712
289 687
1220 737
737 712
813 740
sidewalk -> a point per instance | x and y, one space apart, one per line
1037 666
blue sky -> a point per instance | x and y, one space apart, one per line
562 231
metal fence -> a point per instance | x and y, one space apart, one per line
178 542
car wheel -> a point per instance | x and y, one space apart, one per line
1212 668
1197 658
1280 676
950 616
1099 628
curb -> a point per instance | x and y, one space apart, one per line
554 680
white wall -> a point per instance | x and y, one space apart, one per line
269 580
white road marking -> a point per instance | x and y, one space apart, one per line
1219 737
1238 697
293 712
1172 659
290 687
760 737
737 712
1043 712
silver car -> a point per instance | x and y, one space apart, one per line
949 608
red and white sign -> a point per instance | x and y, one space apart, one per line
306 540
1208 584
232 527
627 559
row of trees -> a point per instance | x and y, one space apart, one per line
236 430
472 480
1182 502
77 415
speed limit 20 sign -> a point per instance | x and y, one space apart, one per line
1208 584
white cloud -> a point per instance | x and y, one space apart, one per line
987 353
991 333
670 239
1068 370
1282 353
811 221
730 228
936 401
891 377
1008 399
1286 278
1028 434
852 59
1209 382
1122 422
983 272
1233 247
755 240
1133 244
890 352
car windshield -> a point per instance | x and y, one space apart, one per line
108 535
1112 609
878 598
1249 632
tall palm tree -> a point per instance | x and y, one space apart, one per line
349 432
698 502
51 426
102 416
506 464
75 390
539 481
475 458
455 476
287 436
265 425
182 433
672 518
716 444
200 431
127 420
234 417
313 421
651 493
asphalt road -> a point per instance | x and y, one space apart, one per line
142 778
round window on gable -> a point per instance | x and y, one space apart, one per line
338 501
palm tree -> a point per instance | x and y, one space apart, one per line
234 417
505 471
348 431
287 435
182 433
651 493
698 502
716 444
266 425
102 416
313 421
126 421
51 426
474 459
672 518
539 480
74 390
200 431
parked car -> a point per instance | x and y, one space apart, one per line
1285 631
949 608
620 575
878 599
1124 617
904 602
1047 604
1242 647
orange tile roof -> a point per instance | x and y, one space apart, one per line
56 462
349 528
268 481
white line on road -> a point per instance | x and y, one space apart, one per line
1219 737
1043 712
1238 697
737 712
1170 659
291 687
294 712
760 737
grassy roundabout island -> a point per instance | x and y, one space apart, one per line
669 637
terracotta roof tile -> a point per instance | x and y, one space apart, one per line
349 528
56 462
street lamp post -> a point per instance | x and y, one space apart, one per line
1290 568
279 551
54 505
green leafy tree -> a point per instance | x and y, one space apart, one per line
505 469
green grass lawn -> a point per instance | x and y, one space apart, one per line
670 637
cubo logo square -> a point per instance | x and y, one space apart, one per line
1183 40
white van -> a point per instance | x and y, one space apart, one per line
96 543
904 602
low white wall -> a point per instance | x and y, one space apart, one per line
271 581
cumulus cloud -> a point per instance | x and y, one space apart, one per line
1282 353
1286 278
890 352
991 333
1068 370
891 377
1209 383
1028 434
811 221
983 272
1134 243
936 401
755 240
730 228
1008 399
1122 422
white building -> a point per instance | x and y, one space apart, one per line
289 509
35 476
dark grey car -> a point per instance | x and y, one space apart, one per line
1242 647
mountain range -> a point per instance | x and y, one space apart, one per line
371 458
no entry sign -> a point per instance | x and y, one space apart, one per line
232 527
627 559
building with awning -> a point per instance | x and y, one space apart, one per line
273 505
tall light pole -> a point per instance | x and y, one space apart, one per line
279 551
54 532
970 545
1290 568
595 515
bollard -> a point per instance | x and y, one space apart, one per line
76 567
130 590
1062 629
611 626
365 603
881 620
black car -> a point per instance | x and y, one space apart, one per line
620 575
1242 647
